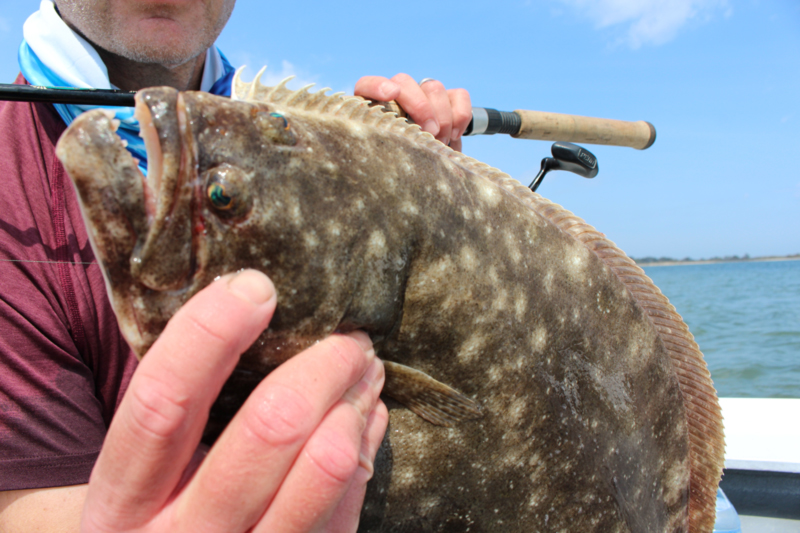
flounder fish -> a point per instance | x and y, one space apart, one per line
537 380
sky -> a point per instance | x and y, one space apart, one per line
719 79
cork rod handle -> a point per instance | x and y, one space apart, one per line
540 125
543 126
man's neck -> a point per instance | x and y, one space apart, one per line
131 75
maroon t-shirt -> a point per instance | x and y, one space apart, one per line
64 365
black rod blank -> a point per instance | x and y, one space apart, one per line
66 95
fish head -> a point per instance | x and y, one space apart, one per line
162 237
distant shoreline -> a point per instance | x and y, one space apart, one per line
714 261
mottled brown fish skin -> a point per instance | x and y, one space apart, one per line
583 426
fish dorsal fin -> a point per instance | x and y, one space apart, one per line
706 441
338 105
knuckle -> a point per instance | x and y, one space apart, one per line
212 330
157 411
421 110
361 398
368 82
280 417
462 114
402 77
461 94
434 86
334 456
445 124
381 419
348 357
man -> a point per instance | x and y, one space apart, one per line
298 454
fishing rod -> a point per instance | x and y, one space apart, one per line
520 124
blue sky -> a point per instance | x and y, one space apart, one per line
720 80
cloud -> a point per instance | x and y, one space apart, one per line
648 22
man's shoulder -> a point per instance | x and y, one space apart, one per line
22 120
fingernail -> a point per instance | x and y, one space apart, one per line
388 90
252 285
431 126
454 135
446 141
363 394
363 340
374 372
366 463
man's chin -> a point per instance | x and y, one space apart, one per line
166 54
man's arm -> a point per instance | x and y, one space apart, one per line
53 510
296 457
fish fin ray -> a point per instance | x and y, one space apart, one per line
428 398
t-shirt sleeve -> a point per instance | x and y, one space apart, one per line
63 363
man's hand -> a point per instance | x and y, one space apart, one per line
443 113
296 457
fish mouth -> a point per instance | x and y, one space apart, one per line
140 227
163 260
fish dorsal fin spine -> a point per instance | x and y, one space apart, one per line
706 442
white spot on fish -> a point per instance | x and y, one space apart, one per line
548 281
517 410
377 244
493 277
539 339
444 188
495 374
409 208
488 192
467 258
605 309
471 347
311 239
513 248
500 301
520 306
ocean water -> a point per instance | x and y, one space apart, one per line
746 318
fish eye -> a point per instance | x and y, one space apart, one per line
220 200
226 191
273 126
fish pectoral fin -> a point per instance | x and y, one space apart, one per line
432 400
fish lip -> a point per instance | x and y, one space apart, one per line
149 134
109 185
189 170
163 259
